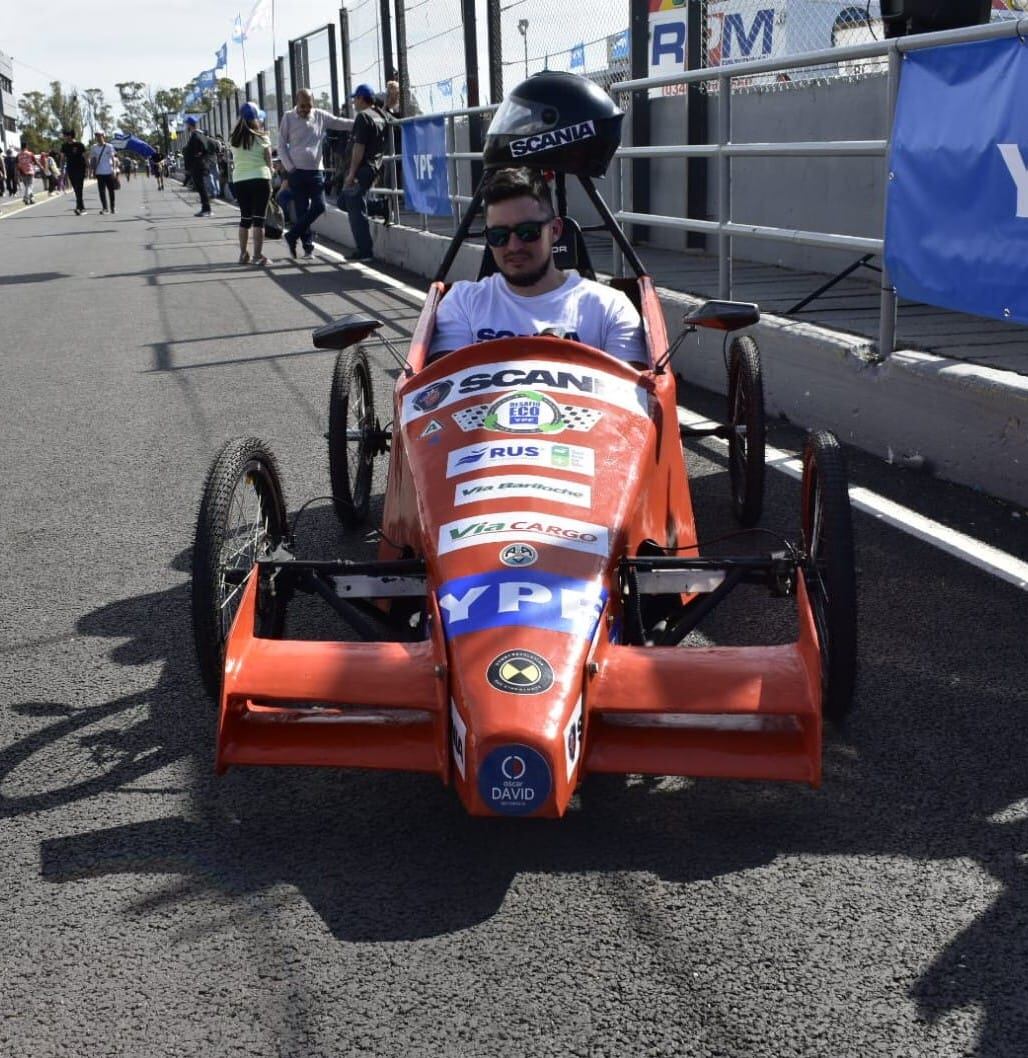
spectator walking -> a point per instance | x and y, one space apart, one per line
11 171
52 174
75 160
27 174
368 143
251 184
301 140
128 169
195 158
102 163
157 163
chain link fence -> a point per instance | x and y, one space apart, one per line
435 56
365 43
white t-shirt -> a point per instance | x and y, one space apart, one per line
580 309
102 159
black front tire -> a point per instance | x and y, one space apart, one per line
746 412
829 569
242 517
351 429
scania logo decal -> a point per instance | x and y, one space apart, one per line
432 396
546 141
520 672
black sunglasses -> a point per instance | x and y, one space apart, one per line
526 231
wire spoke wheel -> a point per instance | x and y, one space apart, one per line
747 439
351 437
242 518
829 571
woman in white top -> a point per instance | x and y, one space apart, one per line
102 161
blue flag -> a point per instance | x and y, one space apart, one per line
577 57
956 228
221 57
206 79
426 183
445 87
619 45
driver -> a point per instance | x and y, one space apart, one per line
529 295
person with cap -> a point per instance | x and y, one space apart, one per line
251 170
367 146
194 157
301 139
102 161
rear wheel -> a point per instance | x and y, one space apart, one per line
829 570
747 438
351 436
242 518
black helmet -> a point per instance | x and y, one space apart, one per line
558 121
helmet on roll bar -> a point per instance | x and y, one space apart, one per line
557 121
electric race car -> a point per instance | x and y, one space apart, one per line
538 571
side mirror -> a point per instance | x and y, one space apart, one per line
347 330
723 315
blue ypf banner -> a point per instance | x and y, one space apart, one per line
426 182
956 231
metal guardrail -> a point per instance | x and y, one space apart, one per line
722 152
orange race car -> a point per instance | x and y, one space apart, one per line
538 571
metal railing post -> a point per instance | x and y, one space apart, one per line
888 307
451 150
724 186
617 192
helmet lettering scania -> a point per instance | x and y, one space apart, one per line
557 121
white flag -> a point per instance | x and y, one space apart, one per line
260 16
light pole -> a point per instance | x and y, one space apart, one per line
523 30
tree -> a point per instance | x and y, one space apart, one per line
134 117
67 110
37 118
98 112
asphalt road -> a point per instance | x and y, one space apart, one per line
149 908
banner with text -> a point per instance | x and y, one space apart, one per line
956 230
426 184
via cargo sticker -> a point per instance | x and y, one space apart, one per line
516 526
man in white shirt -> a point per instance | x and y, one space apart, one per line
301 141
530 295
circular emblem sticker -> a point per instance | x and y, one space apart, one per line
514 780
520 672
524 412
432 396
519 555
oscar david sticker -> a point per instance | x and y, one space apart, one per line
524 412
432 396
520 672
519 555
514 780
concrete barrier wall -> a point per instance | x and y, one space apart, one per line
960 422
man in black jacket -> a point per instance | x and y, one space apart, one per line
75 163
368 140
194 156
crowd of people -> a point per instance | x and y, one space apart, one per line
66 169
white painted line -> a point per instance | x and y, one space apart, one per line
966 548
960 545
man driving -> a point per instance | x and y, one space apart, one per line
529 295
